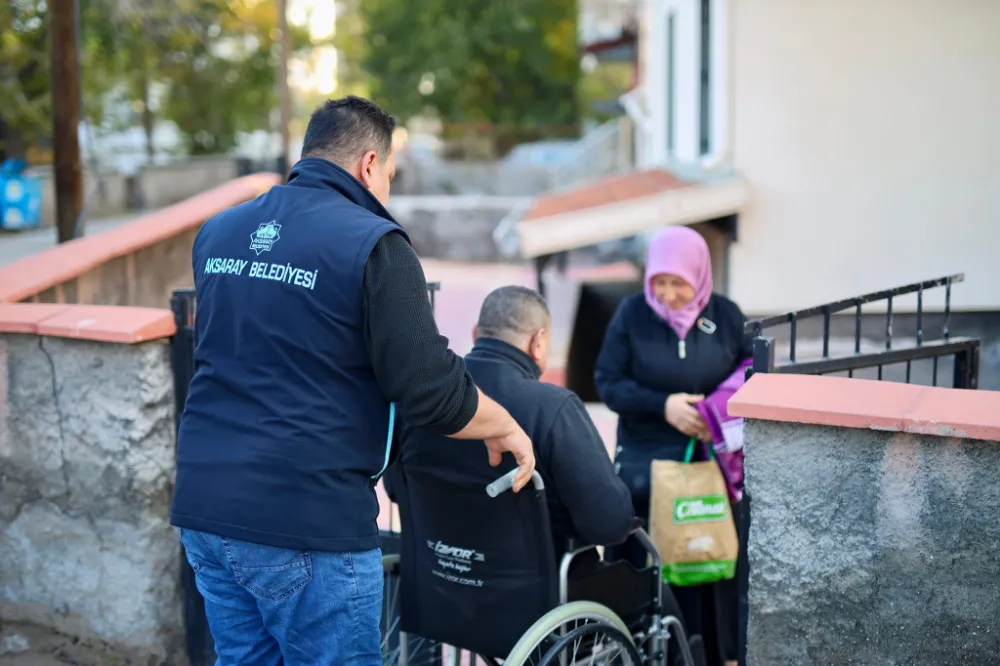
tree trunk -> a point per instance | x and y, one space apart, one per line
66 98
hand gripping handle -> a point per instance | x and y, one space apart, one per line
506 482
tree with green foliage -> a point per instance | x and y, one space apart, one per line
222 79
25 96
351 44
215 58
511 63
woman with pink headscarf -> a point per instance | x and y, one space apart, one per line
665 350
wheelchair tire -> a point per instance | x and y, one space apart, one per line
552 657
547 625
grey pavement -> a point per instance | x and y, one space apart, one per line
16 245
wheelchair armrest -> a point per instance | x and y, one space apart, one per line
637 524
642 536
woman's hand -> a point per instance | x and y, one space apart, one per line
679 413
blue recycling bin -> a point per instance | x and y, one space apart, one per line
20 196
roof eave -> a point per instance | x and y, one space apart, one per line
694 203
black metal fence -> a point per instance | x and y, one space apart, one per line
964 351
200 647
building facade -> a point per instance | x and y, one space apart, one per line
854 142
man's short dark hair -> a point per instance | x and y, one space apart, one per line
512 314
342 130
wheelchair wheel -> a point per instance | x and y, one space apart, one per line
536 642
595 643
399 649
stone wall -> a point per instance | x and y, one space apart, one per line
89 565
86 473
447 177
458 228
105 194
144 278
108 194
163 185
871 547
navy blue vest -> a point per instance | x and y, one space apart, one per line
285 430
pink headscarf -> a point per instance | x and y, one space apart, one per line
680 251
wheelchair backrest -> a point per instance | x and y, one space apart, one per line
475 571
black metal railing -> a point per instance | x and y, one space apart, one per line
200 646
964 350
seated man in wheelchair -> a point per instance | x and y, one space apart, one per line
586 499
476 571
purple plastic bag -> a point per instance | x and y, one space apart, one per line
726 430
731 465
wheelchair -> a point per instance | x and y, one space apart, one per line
474 579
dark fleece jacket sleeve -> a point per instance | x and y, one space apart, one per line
411 359
598 502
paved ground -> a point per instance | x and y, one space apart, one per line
26 645
15 245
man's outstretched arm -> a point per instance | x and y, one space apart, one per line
415 368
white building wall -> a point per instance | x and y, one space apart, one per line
869 132
667 57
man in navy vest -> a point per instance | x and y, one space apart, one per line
313 330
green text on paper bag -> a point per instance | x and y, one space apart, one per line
701 509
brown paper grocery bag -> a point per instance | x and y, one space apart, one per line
691 521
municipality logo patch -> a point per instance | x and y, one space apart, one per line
265 237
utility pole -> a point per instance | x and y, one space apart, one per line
66 95
283 93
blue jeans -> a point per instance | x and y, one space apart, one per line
270 606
